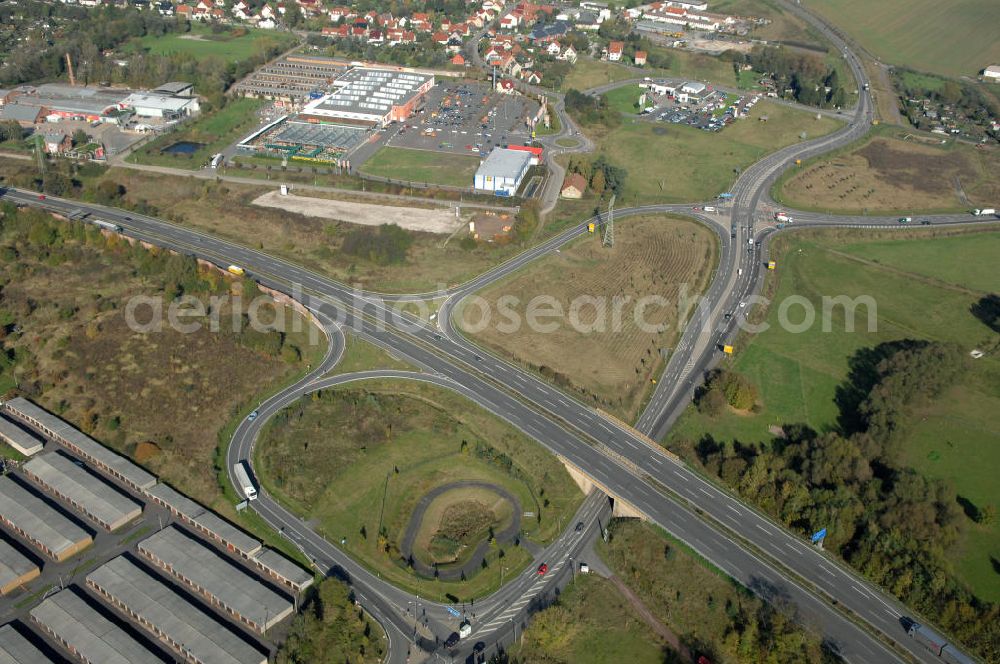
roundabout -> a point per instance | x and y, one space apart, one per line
455 525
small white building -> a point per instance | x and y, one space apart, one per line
694 89
152 105
502 171
992 73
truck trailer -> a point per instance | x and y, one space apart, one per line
243 479
927 638
983 212
106 225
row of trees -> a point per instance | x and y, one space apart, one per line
331 628
965 98
591 110
889 522
423 53
602 176
807 77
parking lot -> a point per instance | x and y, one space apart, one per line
465 118
710 113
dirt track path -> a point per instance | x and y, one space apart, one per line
658 627
366 214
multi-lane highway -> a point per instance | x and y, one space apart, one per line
754 550
861 621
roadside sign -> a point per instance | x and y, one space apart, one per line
590 227
771 265
453 611
727 349
818 536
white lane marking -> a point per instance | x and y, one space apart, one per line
859 590
793 548
704 491
681 476
733 509
828 570
762 528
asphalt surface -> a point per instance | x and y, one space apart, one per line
854 617
747 545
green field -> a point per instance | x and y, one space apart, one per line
625 99
591 624
589 73
425 166
201 42
925 81
215 130
924 287
356 460
951 38
668 163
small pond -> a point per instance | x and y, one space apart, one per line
183 147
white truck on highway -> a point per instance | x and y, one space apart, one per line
983 212
782 217
243 479
106 225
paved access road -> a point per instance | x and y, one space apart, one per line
855 617
747 545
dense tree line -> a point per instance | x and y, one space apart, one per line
386 245
331 629
889 522
591 110
965 97
804 77
424 53
602 176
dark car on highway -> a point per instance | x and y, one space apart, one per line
452 640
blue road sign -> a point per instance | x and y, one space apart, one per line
818 536
726 195
453 612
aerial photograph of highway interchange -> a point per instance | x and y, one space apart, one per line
488 331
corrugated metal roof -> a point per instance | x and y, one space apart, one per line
230 585
101 501
13 563
502 163
88 446
16 649
34 516
89 632
203 637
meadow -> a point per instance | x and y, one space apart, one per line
949 38
652 255
233 45
357 459
678 163
591 624
589 73
427 166
924 283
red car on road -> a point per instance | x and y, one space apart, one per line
542 569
